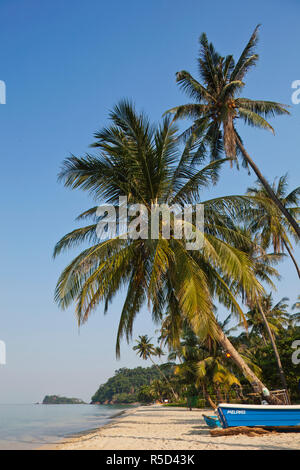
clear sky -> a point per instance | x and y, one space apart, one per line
65 64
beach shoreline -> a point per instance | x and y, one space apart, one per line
162 428
81 434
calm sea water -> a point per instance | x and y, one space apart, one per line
32 426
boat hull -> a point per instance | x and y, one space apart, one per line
260 415
212 421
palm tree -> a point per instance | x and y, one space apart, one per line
296 304
295 318
157 389
264 270
147 350
144 348
213 370
217 106
203 365
158 352
273 318
271 226
190 350
276 315
143 162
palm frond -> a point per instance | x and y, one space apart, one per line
247 58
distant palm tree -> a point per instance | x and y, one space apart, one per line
143 162
265 315
213 370
276 315
146 350
203 365
158 352
157 389
296 316
190 351
297 304
271 226
264 270
217 106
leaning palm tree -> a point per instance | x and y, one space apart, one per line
143 163
263 267
146 350
217 106
271 225
272 318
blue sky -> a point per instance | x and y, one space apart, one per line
65 64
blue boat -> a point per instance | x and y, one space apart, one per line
259 415
212 421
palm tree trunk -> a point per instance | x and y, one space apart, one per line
264 339
240 394
268 188
255 382
292 257
274 346
208 398
168 382
218 393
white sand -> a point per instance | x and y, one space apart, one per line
161 428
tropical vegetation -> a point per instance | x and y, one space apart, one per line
202 373
131 385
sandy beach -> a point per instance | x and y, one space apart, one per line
162 428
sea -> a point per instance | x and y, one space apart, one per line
26 427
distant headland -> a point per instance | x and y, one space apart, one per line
57 400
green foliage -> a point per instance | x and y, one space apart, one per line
204 374
145 394
272 227
126 384
264 357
